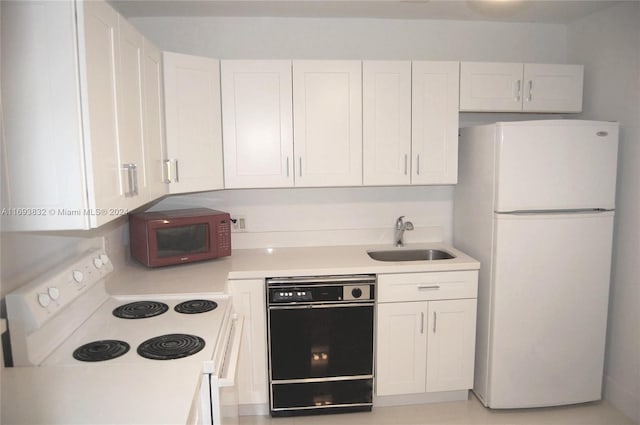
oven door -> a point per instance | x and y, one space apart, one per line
320 341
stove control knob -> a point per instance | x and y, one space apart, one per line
97 262
78 276
54 293
356 292
44 300
104 258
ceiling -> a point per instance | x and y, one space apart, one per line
540 11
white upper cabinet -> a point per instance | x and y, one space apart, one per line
552 88
99 51
434 133
517 87
327 110
75 153
59 81
153 121
490 86
193 122
130 115
257 123
386 122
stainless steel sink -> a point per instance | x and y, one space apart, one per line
411 255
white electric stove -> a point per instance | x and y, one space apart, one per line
67 318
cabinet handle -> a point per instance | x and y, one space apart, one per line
177 178
435 320
418 164
287 166
530 97
421 322
406 168
300 165
518 90
132 176
135 179
166 164
428 287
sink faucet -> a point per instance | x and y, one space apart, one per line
401 226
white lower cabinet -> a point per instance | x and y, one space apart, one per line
249 300
425 332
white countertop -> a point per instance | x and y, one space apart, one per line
211 276
117 393
109 394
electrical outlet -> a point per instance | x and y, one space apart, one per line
238 223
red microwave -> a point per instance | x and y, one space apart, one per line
163 238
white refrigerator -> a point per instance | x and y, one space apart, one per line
535 204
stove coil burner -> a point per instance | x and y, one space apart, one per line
171 346
140 310
98 351
195 306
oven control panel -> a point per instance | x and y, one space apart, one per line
314 290
357 292
38 301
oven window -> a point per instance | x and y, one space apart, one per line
182 240
321 342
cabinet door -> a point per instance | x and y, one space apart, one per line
451 344
552 88
257 124
435 122
42 140
129 91
491 87
193 122
153 120
99 52
401 348
386 122
249 300
327 108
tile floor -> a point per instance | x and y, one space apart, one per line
469 412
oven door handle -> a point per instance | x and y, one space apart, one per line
231 359
317 306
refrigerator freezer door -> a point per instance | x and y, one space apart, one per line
549 309
556 165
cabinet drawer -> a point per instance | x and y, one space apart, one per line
427 286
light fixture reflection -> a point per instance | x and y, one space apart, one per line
497 8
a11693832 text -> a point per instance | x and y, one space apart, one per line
63 211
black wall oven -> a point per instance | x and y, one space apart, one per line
320 332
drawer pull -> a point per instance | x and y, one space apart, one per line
428 287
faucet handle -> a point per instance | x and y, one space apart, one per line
408 225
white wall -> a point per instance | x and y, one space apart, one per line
325 216
608 43
335 216
312 38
